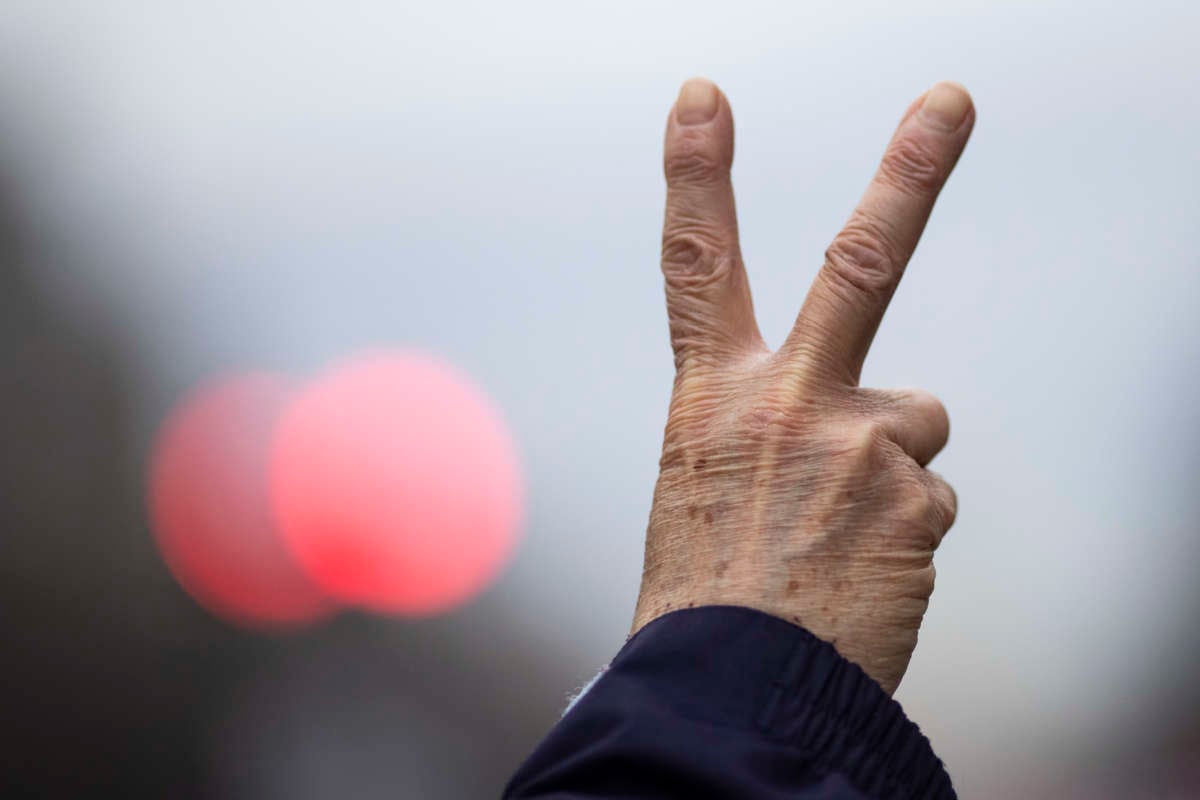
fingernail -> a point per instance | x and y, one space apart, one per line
946 105
697 102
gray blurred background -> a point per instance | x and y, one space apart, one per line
190 188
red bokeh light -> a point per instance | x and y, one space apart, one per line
396 484
209 506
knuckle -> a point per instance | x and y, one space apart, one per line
692 261
686 252
923 507
918 583
863 256
942 501
949 506
937 410
867 440
931 409
924 400
919 514
912 165
916 499
926 579
694 158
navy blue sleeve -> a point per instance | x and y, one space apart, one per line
723 701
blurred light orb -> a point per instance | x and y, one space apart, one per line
396 484
210 510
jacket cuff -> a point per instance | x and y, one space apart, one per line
792 687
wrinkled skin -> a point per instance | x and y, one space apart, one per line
783 485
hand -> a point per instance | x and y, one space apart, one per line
783 485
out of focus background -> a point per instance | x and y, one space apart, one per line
189 189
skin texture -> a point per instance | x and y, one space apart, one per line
785 486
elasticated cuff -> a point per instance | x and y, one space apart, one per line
794 688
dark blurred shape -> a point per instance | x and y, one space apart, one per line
210 510
103 660
396 483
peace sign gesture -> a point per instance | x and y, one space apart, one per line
783 485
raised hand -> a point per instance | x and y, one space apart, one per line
784 485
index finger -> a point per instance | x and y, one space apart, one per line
864 263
